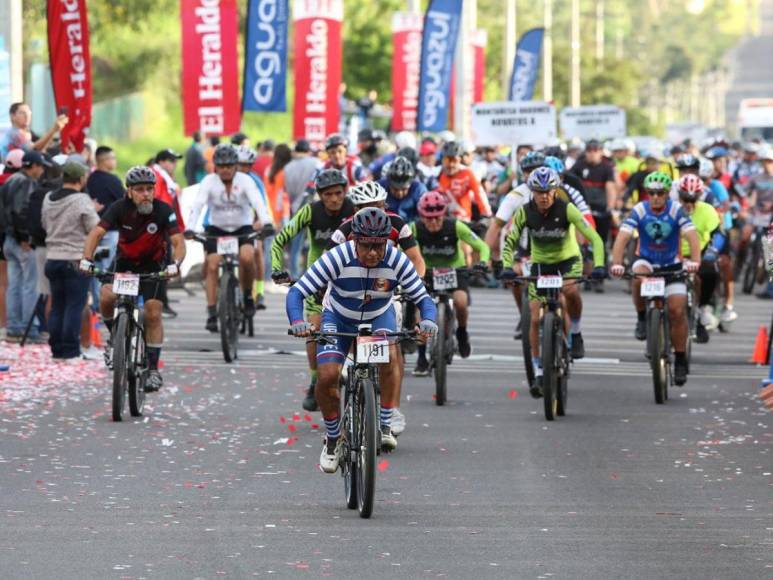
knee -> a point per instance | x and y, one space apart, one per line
152 313
327 376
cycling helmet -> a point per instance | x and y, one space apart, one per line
555 164
335 140
401 172
405 139
467 146
555 151
658 181
543 179
617 145
706 169
371 224
688 161
225 154
532 160
246 155
452 149
432 204
367 192
690 187
140 175
410 154
329 178
716 153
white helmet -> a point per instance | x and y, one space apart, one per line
447 136
706 168
405 139
246 154
366 192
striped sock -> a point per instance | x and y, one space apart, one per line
386 416
333 427
537 364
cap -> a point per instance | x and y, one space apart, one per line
14 157
73 170
592 144
168 155
302 146
34 158
428 148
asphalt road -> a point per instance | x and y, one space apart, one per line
220 477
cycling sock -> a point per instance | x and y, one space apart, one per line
641 315
422 350
154 353
574 326
259 287
109 325
461 331
313 373
333 427
680 357
247 295
386 416
536 362
212 311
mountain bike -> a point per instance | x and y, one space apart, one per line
130 364
360 419
754 267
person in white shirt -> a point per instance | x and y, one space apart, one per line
233 202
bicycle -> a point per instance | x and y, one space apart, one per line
130 364
360 412
230 309
754 267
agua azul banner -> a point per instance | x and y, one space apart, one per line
265 63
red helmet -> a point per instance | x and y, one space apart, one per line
690 187
433 204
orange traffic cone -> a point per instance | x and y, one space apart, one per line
96 336
760 354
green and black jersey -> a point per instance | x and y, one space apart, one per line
443 249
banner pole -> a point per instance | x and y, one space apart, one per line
508 47
547 75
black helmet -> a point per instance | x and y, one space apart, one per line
532 160
371 223
688 162
329 178
555 151
401 172
140 175
335 140
365 135
452 149
225 154
410 154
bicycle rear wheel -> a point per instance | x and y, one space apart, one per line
752 264
525 340
550 364
562 392
229 321
656 340
439 354
120 364
137 372
367 429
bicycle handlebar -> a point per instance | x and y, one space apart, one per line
104 274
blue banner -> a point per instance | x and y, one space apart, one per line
526 65
265 63
438 44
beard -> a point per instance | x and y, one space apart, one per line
145 208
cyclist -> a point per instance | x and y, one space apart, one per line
760 188
233 200
361 276
467 201
319 219
551 224
143 225
660 222
712 240
337 148
440 239
403 189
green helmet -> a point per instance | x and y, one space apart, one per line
658 180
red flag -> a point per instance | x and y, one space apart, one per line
210 66
479 42
318 52
70 61
406 67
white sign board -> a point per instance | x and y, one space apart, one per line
593 122
532 122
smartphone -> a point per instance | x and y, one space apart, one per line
63 110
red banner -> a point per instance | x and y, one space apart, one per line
406 67
210 68
318 51
70 61
479 42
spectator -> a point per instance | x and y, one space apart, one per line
21 295
68 216
365 107
427 164
195 164
265 157
103 185
275 182
169 192
20 136
240 140
209 151
12 164
367 143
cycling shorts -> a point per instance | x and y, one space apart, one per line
333 322
674 287
210 246
571 268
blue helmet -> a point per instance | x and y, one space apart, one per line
532 160
716 153
554 163
543 179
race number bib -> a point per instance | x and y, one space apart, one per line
372 349
126 284
228 246
653 287
545 282
444 279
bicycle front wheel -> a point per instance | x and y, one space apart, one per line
656 345
349 427
440 355
550 364
121 340
367 430
525 339
562 391
229 319
137 372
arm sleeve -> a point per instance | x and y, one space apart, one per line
409 279
511 242
575 217
576 198
257 203
469 237
202 195
288 232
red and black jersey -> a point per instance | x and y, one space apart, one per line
141 238
401 234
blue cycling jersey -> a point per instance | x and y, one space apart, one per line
659 233
719 196
407 207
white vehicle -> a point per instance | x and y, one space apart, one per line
755 119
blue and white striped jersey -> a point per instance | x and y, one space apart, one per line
356 293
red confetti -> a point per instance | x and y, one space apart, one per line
291 440
187 389
308 417
296 417
315 425
282 420
160 365
512 394
291 428
187 485
383 465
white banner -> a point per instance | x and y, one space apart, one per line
506 122
593 122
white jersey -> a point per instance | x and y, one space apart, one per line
229 211
512 202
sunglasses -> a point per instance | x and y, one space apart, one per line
655 192
434 208
372 246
